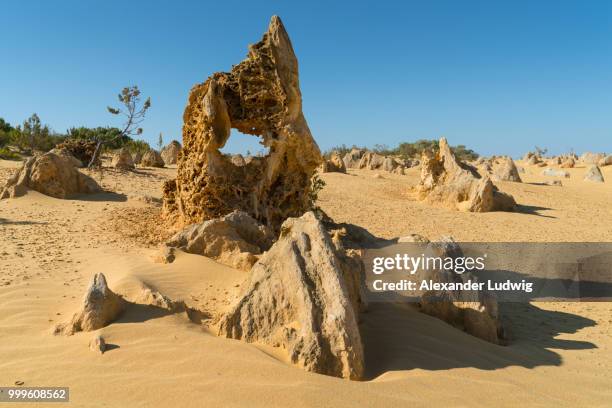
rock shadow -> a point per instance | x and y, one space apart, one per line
100 197
397 337
533 210
4 221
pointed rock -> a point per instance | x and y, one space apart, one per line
448 182
297 297
101 306
594 174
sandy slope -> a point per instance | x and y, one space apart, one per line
560 355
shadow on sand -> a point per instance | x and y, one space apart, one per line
533 210
105 196
4 221
398 337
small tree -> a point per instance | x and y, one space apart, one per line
33 132
5 131
134 115
160 141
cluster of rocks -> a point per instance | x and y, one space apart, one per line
364 159
334 164
447 181
305 286
593 162
55 175
124 160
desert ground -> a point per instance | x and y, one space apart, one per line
560 353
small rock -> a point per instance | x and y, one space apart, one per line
556 173
97 344
594 174
165 255
413 238
152 158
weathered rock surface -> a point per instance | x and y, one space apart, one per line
82 150
352 158
261 97
498 168
606 161
122 159
504 169
475 312
238 160
567 162
448 182
371 161
171 152
591 158
297 298
556 173
165 255
101 306
594 174
389 164
333 165
152 158
532 158
50 174
65 153
236 239
97 344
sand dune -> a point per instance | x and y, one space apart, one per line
560 353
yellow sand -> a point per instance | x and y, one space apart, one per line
560 354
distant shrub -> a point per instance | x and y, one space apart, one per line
137 146
341 150
109 135
408 150
6 154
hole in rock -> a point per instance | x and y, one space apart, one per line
245 145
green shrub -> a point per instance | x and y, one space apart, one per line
6 154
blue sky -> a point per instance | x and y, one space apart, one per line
499 77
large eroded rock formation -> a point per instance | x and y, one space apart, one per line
446 181
51 174
301 296
261 97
